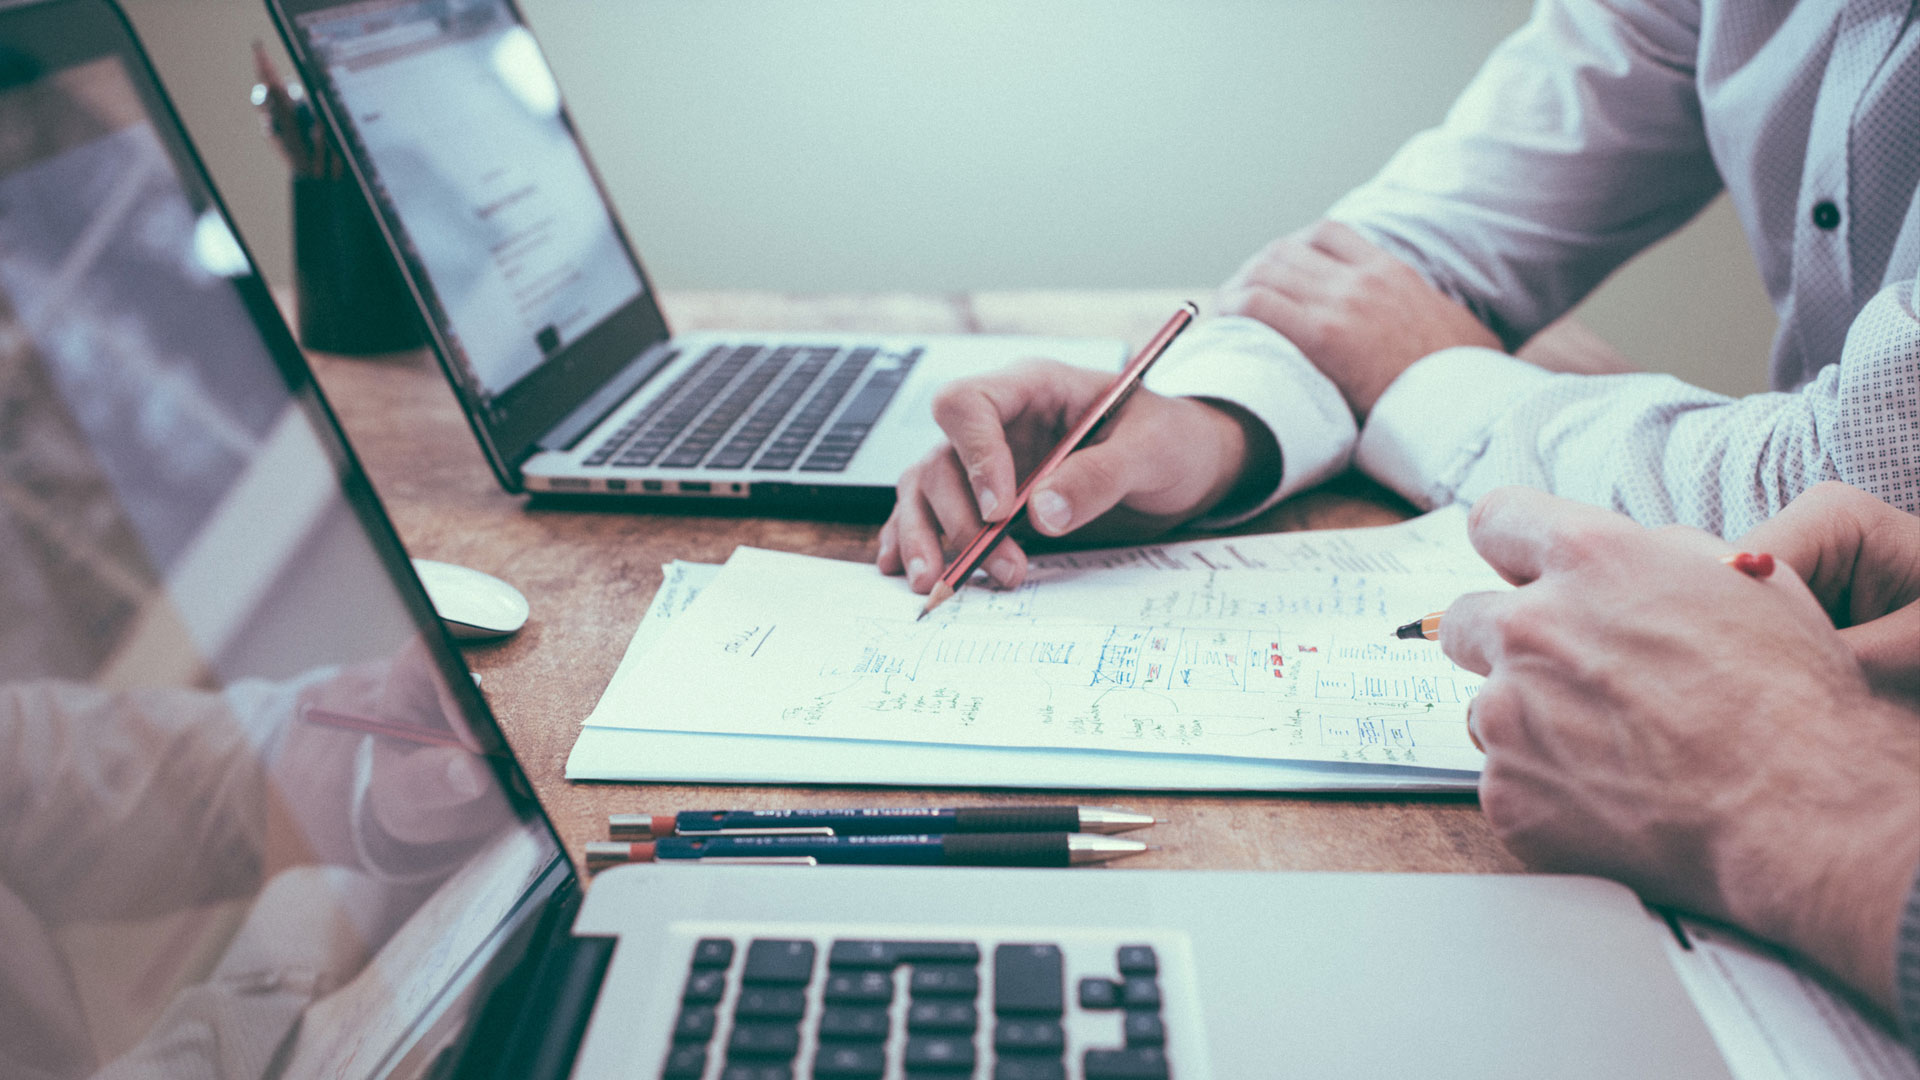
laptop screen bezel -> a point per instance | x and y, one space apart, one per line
60 34
511 425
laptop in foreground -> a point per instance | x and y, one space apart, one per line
260 822
541 314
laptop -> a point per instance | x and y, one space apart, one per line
539 310
260 822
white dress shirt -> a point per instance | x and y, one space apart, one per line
1592 132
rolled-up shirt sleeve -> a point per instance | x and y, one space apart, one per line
1464 421
1536 184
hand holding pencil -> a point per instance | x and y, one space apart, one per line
1159 461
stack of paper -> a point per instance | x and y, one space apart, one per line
1263 663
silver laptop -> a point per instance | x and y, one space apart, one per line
260 823
541 314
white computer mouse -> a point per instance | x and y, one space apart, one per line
472 604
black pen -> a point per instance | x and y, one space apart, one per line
878 821
914 849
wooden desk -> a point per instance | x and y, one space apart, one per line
590 574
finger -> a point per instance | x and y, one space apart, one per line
947 494
1860 556
1341 243
974 413
1296 270
1888 649
1265 304
1007 566
1521 531
888 557
919 540
1087 484
1470 629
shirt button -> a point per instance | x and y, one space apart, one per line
1826 215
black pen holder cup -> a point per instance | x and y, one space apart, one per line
352 299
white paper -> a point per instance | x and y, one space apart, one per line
1248 663
1774 1021
1434 543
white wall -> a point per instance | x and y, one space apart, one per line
852 145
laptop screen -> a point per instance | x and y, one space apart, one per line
459 123
254 819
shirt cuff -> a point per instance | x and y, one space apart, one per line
1433 422
1246 363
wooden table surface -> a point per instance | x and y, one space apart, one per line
589 575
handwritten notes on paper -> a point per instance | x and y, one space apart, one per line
1255 663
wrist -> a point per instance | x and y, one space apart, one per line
1245 457
1826 876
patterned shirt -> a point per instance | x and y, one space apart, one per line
1594 131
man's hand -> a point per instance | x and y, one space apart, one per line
1160 461
1861 557
1704 737
1361 315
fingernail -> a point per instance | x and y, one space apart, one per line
886 546
989 502
1051 510
916 568
1001 567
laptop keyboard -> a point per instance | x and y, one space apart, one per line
794 1008
748 406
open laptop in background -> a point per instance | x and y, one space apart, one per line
538 307
260 823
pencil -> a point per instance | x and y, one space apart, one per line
1756 565
368 725
988 538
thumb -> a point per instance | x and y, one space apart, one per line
1087 484
1888 649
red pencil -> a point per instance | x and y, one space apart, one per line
983 543
367 724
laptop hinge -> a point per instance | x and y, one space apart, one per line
574 426
531 1024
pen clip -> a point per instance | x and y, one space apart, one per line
746 860
797 830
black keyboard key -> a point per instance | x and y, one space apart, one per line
939 1053
847 1023
1138 960
943 980
855 1062
787 963
763 1040
770 1003
712 953
1133 1063
1144 1029
685 1063
858 988
1098 993
1029 1069
695 1024
941 1017
757 1070
887 954
1029 1037
1140 992
1028 979
705 986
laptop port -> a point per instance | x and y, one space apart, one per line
695 487
616 485
653 485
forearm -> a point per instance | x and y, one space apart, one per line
1461 423
1578 144
1827 866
